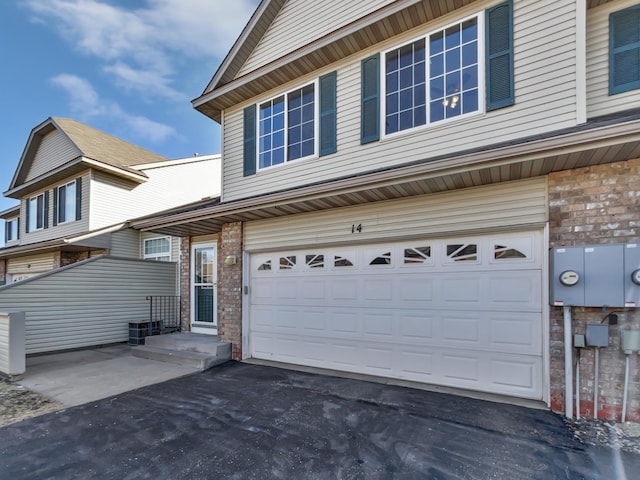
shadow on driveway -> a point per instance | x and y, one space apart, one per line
242 421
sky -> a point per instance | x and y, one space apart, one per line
127 67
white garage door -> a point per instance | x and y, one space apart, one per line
462 312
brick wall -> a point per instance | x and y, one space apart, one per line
596 205
185 282
3 271
230 287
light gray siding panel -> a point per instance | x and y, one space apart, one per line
599 102
115 200
64 229
300 22
54 150
507 205
87 303
545 101
125 243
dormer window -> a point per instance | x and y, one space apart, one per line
37 212
66 202
11 230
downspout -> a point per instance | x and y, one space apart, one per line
568 364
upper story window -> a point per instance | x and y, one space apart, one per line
624 50
158 249
66 202
462 69
11 230
37 208
287 127
449 60
298 124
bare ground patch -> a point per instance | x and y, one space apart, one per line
18 403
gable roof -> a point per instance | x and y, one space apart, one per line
228 88
95 149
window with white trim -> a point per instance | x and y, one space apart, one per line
66 206
158 249
36 212
287 127
434 78
11 230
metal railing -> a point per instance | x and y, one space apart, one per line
165 313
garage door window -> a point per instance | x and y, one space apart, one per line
417 255
339 261
462 252
315 261
502 252
265 266
287 263
383 259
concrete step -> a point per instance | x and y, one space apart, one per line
188 358
190 349
193 342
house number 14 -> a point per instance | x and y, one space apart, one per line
356 228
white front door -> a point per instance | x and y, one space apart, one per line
203 288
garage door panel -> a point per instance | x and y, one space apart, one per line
409 313
417 326
417 289
378 290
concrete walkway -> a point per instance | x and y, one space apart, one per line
82 376
242 421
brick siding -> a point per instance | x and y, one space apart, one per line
596 205
230 288
3 271
185 283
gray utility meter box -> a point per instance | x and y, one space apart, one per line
603 282
567 276
588 276
632 275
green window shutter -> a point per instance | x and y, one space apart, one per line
78 198
250 140
499 56
370 99
45 212
328 117
624 50
26 222
55 206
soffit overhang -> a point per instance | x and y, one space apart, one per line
226 90
385 23
599 143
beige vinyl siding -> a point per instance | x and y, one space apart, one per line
87 303
5 334
54 150
503 206
300 22
126 243
31 264
114 200
599 102
545 101
64 229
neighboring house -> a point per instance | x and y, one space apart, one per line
394 179
77 187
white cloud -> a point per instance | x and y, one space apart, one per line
145 48
86 103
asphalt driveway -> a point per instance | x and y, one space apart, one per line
242 421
